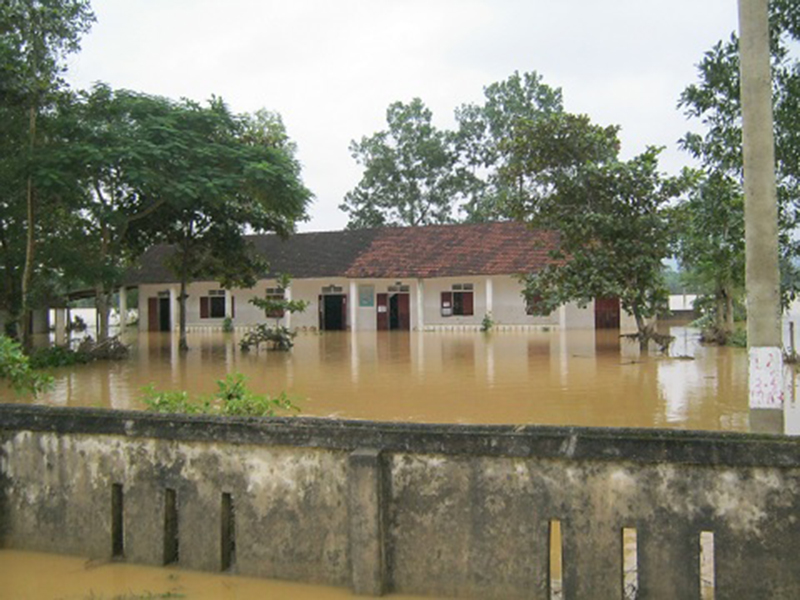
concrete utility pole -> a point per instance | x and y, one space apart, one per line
761 221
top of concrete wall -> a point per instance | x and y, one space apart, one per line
635 445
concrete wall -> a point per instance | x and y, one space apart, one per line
460 511
508 306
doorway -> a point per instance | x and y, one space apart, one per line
158 314
606 313
333 312
394 312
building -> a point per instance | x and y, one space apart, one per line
404 278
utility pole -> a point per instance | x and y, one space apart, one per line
761 221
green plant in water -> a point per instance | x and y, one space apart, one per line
487 324
738 338
57 356
278 337
227 325
15 368
233 399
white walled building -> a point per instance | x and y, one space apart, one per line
407 278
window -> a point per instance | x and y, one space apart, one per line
459 301
535 307
212 306
275 295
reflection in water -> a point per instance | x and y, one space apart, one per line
548 377
70 578
559 377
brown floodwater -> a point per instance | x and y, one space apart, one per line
546 377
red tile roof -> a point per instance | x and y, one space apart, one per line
454 250
393 252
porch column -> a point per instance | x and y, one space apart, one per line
228 304
61 326
489 295
287 316
420 305
353 305
123 309
173 308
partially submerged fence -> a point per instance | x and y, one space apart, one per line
448 510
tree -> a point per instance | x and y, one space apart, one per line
36 37
715 100
710 245
411 176
222 175
510 106
613 219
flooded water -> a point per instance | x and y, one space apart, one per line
556 377
549 377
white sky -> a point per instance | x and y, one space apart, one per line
331 68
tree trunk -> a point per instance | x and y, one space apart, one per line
719 314
30 245
183 345
729 313
641 328
102 296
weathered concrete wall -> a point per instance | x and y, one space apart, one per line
459 511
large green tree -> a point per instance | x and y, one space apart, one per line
710 245
612 216
35 38
510 107
222 176
715 211
411 175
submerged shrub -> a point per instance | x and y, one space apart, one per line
232 398
15 368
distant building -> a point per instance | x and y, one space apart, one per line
404 278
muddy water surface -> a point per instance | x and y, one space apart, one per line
568 378
556 377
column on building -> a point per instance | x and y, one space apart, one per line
123 309
228 304
489 295
61 326
173 309
420 305
353 305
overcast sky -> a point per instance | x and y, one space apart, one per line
331 68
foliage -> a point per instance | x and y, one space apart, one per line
483 130
227 325
57 356
710 244
487 323
410 172
232 398
280 306
278 338
15 368
87 351
35 38
222 181
615 231
714 99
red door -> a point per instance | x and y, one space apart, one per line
404 312
153 323
606 313
383 311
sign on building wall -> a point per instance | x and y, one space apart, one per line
366 296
